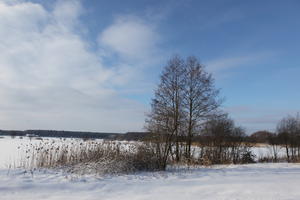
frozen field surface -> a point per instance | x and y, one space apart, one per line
255 181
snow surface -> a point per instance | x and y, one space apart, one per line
253 181
256 181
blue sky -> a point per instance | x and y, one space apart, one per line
93 65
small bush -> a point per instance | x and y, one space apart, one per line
247 157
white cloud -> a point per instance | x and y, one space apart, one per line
49 78
130 37
66 13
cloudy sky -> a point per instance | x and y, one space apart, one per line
93 65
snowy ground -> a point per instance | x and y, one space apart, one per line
255 181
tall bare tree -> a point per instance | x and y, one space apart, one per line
166 115
184 98
200 98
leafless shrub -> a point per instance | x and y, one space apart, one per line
271 159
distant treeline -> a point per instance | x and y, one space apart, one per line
75 134
257 137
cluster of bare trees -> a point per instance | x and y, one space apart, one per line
288 136
223 142
184 101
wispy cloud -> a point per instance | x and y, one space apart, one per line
227 64
231 62
255 118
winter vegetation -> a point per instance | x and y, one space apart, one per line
185 127
71 69
186 130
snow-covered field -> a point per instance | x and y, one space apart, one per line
12 150
254 181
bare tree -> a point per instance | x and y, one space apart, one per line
200 99
166 114
275 144
185 97
288 130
